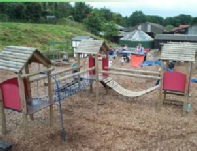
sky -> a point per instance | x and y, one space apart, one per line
163 8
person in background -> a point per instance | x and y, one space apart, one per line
74 64
125 48
65 57
140 49
111 52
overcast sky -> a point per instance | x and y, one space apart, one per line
163 8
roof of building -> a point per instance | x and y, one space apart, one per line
179 52
180 27
92 46
179 37
14 58
79 38
137 35
159 26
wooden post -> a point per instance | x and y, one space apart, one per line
28 87
2 115
97 76
50 98
78 62
187 85
160 102
24 106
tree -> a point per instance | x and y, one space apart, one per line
110 29
136 18
93 22
170 27
118 19
80 11
194 21
155 19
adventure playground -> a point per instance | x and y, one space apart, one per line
148 102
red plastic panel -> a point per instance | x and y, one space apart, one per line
136 60
174 81
91 64
11 95
146 50
105 64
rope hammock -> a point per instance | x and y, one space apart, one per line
115 86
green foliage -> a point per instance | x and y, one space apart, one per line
155 19
110 29
93 22
136 18
170 27
38 35
194 21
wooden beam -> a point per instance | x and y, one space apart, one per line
50 93
134 70
23 105
97 76
130 74
2 115
37 72
74 74
28 86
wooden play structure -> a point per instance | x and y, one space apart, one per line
131 73
31 92
16 93
176 83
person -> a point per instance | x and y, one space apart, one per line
140 49
111 52
74 64
65 57
125 48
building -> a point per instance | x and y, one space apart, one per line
182 29
76 41
164 38
192 30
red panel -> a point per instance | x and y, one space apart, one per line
136 60
105 64
91 64
146 50
11 95
174 81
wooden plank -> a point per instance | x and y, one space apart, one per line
37 72
23 105
28 86
50 93
134 70
17 53
74 74
11 62
129 74
2 115
13 57
17 67
9 69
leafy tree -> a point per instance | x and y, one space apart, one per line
170 27
106 14
155 19
118 19
110 29
64 9
80 11
136 18
93 22
194 21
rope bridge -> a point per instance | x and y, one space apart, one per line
114 85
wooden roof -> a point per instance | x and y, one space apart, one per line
179 52
92 46
14 58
